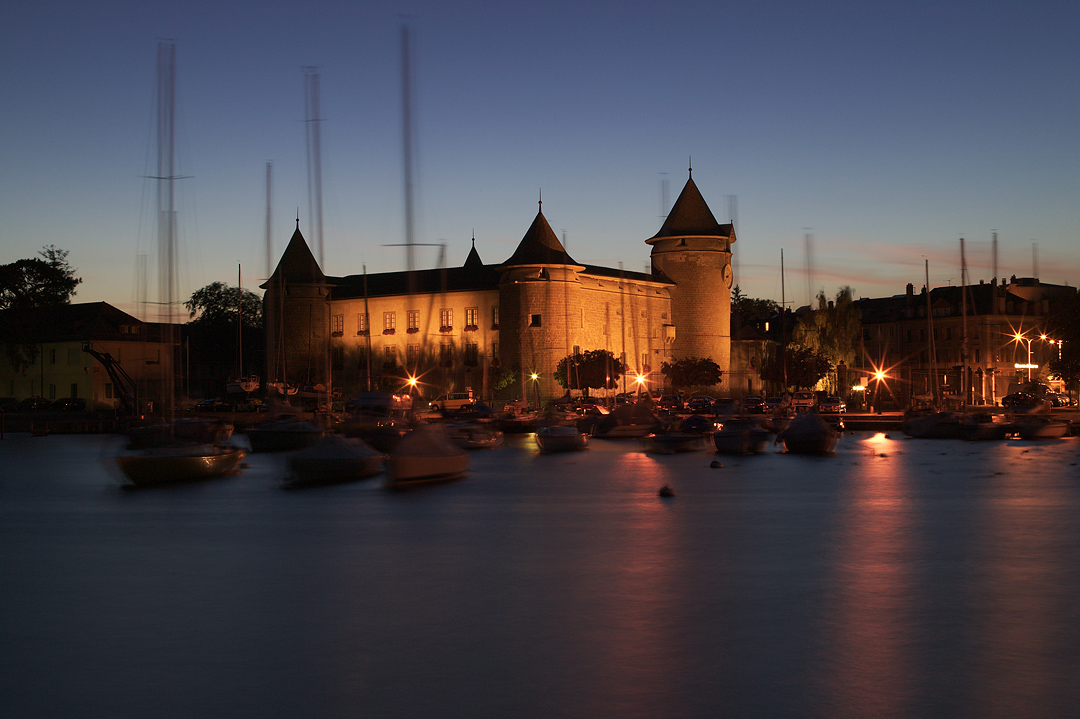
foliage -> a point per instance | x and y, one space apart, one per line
216 304
592 369
24 286
213 338
1061 324
832 331
805 366
692 372
501 378
750 308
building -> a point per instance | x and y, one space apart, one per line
466 327
958 344
136 360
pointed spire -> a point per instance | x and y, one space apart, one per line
690 216
297 264
540 246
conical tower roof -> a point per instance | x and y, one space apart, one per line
297 264
690 216
473 260
540 246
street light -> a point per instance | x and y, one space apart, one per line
536 385
1021 338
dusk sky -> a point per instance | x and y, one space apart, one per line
886 130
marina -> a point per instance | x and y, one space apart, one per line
896 576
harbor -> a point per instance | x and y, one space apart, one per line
896 577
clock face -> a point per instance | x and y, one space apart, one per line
727 276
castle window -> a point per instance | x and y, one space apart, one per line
337 325
472 354
412 355
389 320
390 355
495 351
413 317
495 318
534 320
362 322
52 357
446 354
978 356
446 319
471 316
337 357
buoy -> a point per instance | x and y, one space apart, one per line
716 464
666 491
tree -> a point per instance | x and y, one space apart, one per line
1061 325
692 372
216 304
38 282
592 369
747 309
25 285
213 335
805 366
832 329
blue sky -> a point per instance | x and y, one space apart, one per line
886 131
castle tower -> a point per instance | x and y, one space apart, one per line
694 251
296 317
540 307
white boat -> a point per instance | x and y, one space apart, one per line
427 454
242 385
809 434
561 439
153 466
740 437
333 460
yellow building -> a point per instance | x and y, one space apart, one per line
62 367
462 327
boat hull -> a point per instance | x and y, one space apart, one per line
561 439
173 465
674 443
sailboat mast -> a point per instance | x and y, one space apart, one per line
166 204
933 346
239 324
783 309
269 241
406 131
965 385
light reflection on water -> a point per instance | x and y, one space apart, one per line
897 578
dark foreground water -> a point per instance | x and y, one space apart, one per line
907 578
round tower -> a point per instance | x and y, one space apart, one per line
539 307
296 317
694 251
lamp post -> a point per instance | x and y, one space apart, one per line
536 385
1021 338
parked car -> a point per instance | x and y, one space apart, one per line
725 406
1058 399
32 404
212 405
772 404
832 405
451 401
752 404
69 404
670 402
803 400
700 405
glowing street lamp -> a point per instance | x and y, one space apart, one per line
536 385
1018 337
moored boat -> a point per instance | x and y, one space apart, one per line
173 464
474 435
426 455
333 460
976 426
938 425
674 442
280 435
1039 427
809 434
561 439
740 437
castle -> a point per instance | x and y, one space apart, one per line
460 327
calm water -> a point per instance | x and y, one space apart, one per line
907 578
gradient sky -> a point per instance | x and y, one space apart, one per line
886 130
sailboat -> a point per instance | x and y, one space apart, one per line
241 384
179 456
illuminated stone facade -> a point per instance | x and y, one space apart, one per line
460 327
